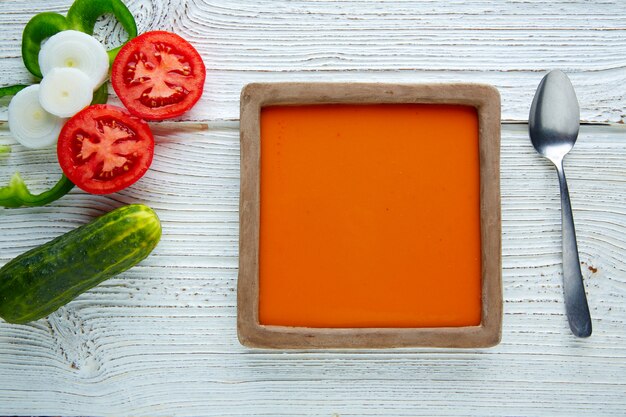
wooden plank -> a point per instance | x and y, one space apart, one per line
510 45
161 338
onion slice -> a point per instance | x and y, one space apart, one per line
29 123
74 49
65 91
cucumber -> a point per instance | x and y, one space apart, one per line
45 278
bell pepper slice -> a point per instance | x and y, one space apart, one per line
101 95
38 29
12 90
81 16
16 194
84 13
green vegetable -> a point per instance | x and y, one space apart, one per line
101 95
39 28
16 194
81 16
4 149
41 280
11 90
84 13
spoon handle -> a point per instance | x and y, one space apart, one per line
574 291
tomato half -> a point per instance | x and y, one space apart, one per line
103 149
158 75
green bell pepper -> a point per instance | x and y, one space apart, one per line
38 29
101 95
16 194
84 13
11 90
81 16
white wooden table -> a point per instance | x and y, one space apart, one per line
161 339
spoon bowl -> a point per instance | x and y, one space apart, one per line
554 118
553 125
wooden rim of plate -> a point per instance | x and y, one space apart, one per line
485 99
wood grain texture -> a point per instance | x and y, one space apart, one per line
161 340
508 44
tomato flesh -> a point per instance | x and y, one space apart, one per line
158 75
104 149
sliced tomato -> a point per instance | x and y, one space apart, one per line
104 149
158 75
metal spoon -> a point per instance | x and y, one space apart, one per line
553 126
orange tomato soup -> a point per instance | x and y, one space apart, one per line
369 216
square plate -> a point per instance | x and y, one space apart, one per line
302 283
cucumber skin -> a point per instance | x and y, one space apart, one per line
47 277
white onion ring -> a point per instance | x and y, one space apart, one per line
74 49
65 91
29 123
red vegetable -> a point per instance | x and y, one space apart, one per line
103 149
158 75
